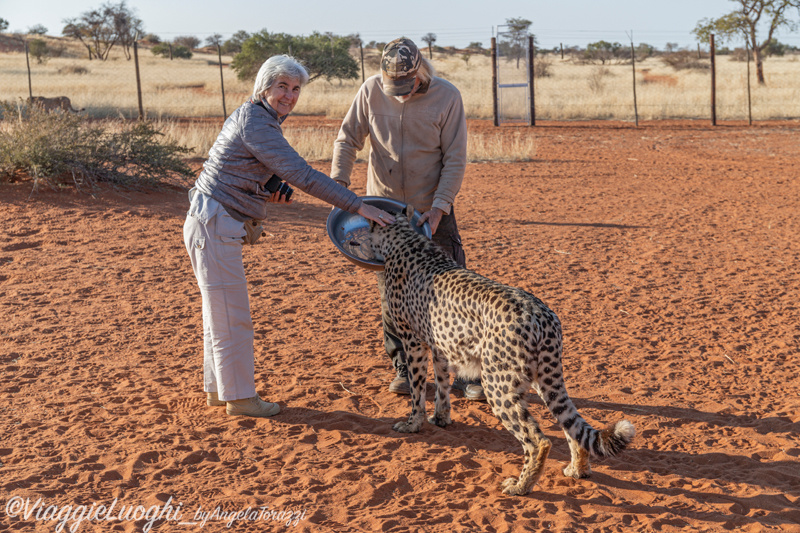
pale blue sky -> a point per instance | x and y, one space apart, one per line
571 22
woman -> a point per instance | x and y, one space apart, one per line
230 193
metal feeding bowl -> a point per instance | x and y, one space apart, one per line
350 232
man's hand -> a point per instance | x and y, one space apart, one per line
433 217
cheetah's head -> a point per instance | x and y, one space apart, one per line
383 239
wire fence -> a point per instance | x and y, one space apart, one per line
566 85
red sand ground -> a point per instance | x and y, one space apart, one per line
669 252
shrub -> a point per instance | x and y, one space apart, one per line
739 54
73 69
181 52
684 59
776 48
178 51
38 50
58 149
541 66
39 29
597 79
160 49
189 41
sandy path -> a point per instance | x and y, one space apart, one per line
669 252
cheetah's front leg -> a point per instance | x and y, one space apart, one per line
417 359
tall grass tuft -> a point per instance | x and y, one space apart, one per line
316 144
57 149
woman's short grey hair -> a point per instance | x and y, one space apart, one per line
275 67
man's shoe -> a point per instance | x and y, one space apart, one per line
474 392
399 384
472 389
254 406
213 400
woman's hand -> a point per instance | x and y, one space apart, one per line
278 198
376 215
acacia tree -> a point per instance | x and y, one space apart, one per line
429 38
127 26
323 55
3 24
745 22
515 44
38 29
234 44
80 31
214 40
100 29
602 51
95 29
189 41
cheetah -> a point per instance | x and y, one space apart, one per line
477 327
56 103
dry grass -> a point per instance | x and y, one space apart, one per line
571 91
191 88
316 144
516 145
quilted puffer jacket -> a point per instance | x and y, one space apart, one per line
248 151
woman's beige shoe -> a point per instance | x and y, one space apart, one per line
213 400
254 406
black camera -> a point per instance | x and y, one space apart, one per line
276 184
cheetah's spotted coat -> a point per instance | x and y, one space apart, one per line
478 327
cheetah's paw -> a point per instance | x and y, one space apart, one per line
440 420
407 427
574 472
513 487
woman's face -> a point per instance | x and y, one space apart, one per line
283 94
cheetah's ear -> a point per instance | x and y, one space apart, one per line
409 211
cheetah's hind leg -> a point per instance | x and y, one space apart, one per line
578 467
441 415
512 410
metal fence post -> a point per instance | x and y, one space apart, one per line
222 82
749 101
138 79
361 47
28 62
635 104
494 81
713 84
531 54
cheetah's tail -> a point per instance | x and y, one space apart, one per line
600 443
613 439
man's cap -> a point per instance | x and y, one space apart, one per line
399 65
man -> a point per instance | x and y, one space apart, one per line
418 153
